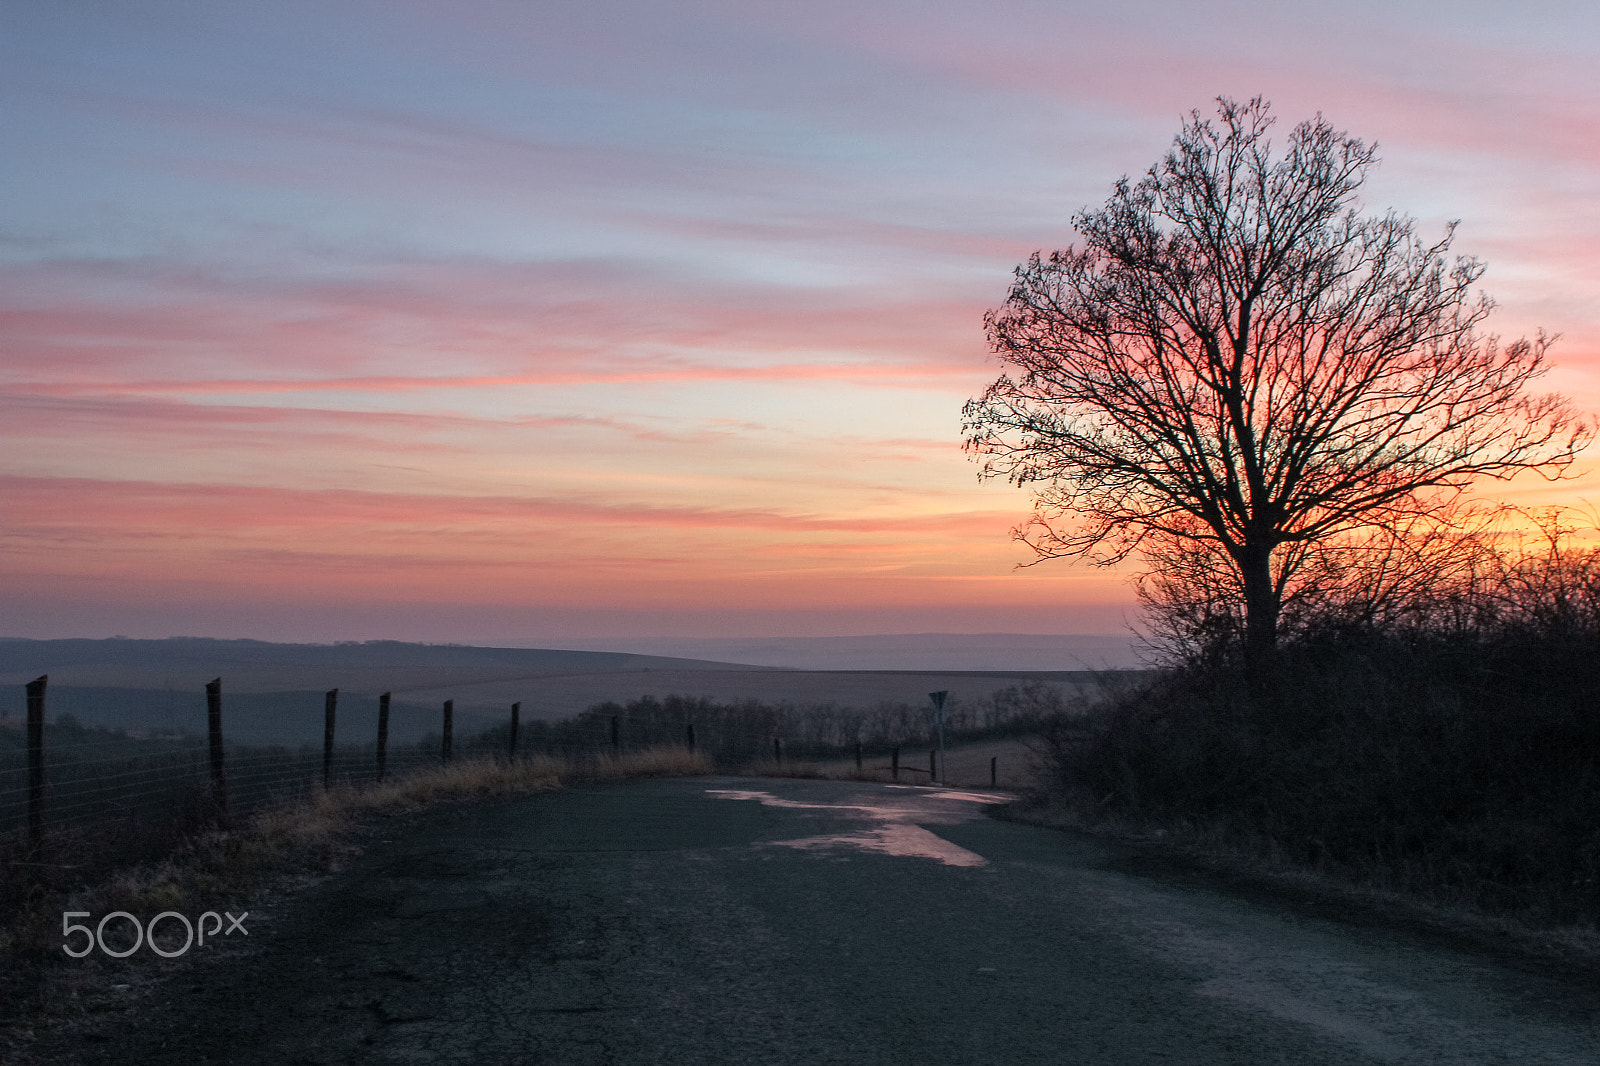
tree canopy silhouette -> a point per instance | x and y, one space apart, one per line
1236 361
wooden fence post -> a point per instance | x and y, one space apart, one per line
616 735
689 730
516 712
329 703
219 786
993 759
35 690
449 721
383 731
894 763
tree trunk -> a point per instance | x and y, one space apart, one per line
1261 607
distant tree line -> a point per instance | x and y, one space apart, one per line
743 730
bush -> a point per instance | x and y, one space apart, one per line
1462 767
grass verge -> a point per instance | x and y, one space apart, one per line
783 768
1220 861
1458 786
269 853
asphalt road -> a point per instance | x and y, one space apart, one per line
744 921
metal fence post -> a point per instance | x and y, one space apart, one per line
219 786
449 717
689 730
35 690
516 712
383 730
329 703
894 763
993 759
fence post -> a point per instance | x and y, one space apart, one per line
616 735
894 763
219 786
938 699
35 690
777 750
329 703
690 730
449 720
858 755
933 766
516 713
993 759
383 731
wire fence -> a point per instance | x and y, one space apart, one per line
68 787
86 799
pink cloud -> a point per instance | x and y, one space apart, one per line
838 231
681 373
503 325
271 542
64 503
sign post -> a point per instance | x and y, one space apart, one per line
938 716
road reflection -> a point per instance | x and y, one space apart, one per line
889 828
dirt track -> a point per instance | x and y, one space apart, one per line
742 921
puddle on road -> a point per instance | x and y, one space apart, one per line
896 831
911 841
971 797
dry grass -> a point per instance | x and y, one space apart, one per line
668 760
782 768
222 864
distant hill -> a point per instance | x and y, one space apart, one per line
259 666
905 651
273 693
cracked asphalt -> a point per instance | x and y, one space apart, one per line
740 921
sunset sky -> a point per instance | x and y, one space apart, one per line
502 322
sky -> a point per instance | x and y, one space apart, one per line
499 322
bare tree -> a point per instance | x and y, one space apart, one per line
1237 361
